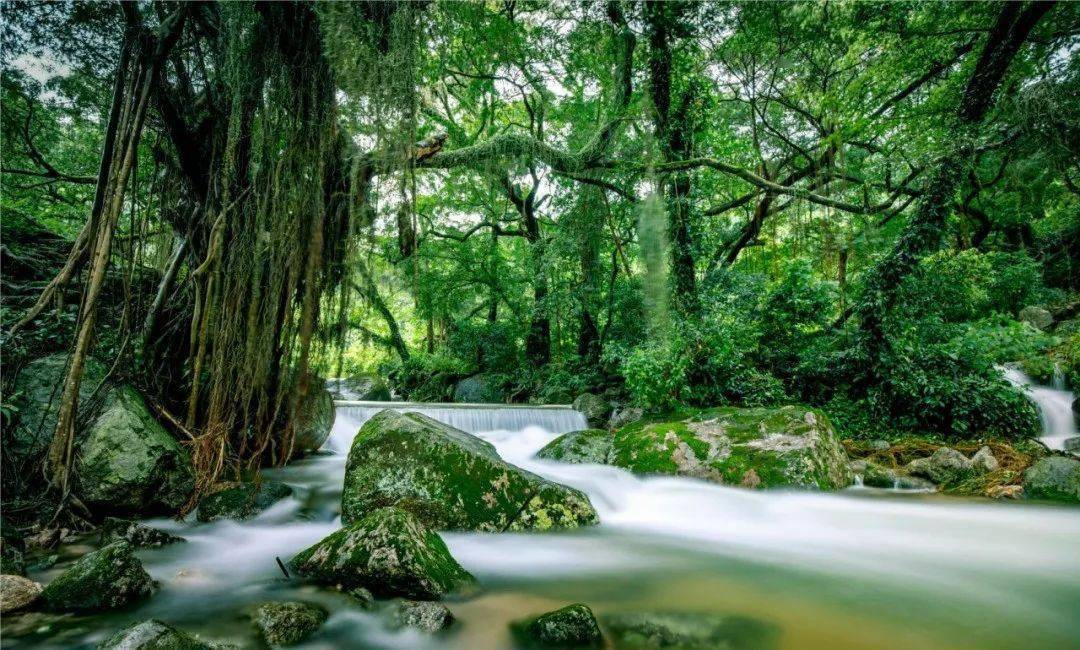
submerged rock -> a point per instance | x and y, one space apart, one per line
129 464
945 465
420 615
588 446
136 534
16 592
241 500
596 409
772 447
1056 478
573 626
288 623
388 552
105 579
450 480
153 634
687 630
314 418
361 596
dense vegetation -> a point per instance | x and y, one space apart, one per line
683 204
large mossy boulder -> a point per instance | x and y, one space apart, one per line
390 553
36 395
288 623
479 389
588 446
129 464
788 446
596 409
314 418
1055 478
240 500
689 631
153 634
450 480
573 626
104 579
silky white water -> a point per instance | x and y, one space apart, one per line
1054 404
858 569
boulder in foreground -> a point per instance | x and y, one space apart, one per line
425 616
388 552
1055 478
788 446
450 480
288 623
16 592
108 578
241 500
573 626
153 635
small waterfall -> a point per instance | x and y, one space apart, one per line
472 418
1054 404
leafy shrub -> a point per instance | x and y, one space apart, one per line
490 346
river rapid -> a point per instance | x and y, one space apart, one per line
862 568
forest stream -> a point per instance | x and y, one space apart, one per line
864 568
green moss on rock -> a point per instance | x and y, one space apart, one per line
1056 478
288 623
689 631
314 418
789 446
104 579
573 626
424 616
241 500
588 446
389 552
129 464
136 534
153 635
450 480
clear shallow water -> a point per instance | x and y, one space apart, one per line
859 569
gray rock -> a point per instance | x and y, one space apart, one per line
588 446
878 445
424 616
686 630
1073 444
153 634
129 464
945 465
105 579
1055 478
450 480
1037 317
596 409
136 534
573 626
241 500
16 592
314 418
388 552
478 389
788 446
362 597
365 388
623 416
983 462
288 623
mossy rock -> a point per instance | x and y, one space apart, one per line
389 552
1055 478
36 394
288 623
129 464
596 409
588 446
479 389
788 446
16 592
241 500
450 480
573 626
424 616
104 579
136 534
12 551
314 418
689 631
945 466
153 635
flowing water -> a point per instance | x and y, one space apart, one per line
1055 406
859 569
